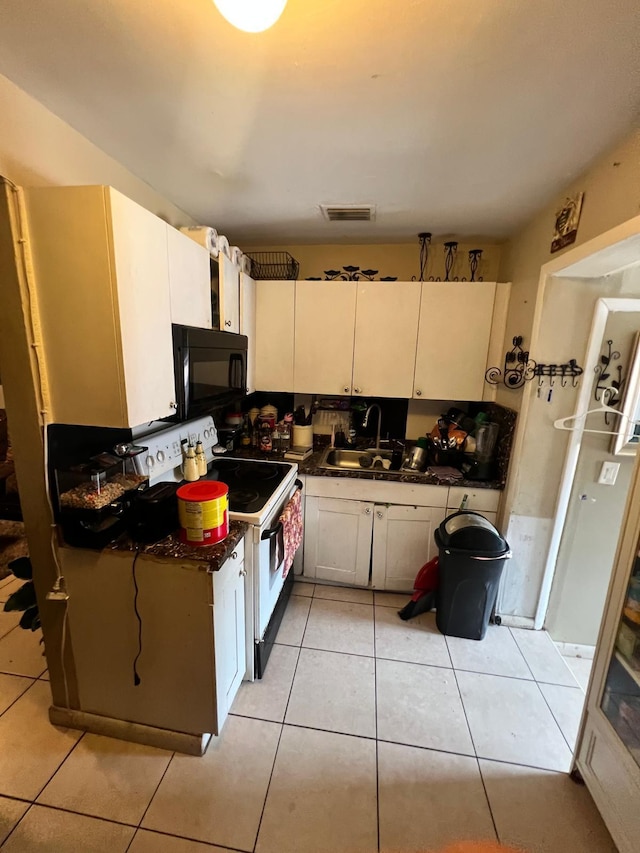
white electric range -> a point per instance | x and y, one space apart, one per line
258 492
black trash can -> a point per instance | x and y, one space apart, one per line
472 557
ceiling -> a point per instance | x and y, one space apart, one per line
461 118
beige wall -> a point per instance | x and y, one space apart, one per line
612 196
401 260
39 149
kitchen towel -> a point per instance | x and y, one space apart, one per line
291 520
204 235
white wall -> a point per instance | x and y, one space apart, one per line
39 149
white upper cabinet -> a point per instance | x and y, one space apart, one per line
229 295
385 338
325 317
102 281
189 280
453 340
275 312
248 325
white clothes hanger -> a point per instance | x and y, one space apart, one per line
576 422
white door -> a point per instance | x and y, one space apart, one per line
324 332
229 632
248 325
402 543
453 340
385 341
275 310
337 543
189 280
229 295
144 309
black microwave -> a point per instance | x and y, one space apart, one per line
210 369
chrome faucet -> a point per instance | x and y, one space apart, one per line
365 422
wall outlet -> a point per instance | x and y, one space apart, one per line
609 473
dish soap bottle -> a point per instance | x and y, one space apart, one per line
201 459
190 466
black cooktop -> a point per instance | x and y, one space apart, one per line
251 483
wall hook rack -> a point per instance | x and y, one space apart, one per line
518 367
570 370
611 390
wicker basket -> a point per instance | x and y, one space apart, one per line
274 265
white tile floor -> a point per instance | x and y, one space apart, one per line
367 734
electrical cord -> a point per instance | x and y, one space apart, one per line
136 676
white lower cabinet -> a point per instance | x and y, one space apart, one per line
190 654
338 540
228 632
378 533
402 542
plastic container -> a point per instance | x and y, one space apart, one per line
203 510
472 555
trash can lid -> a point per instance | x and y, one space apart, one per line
470 531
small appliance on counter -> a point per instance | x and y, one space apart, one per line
153 513
93 497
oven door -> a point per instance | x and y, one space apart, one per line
267 571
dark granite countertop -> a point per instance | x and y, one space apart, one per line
212 557
311 468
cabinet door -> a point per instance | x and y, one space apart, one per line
402 543
338 540
229 295
141 271
248 325
275 308
324 331
385 341
189 280
229 633
453 340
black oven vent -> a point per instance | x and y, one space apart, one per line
273 265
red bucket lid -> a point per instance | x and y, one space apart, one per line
202 490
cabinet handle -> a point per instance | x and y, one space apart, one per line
173 404
418 393
346 389
243 573
358 390
234 556
367 511
379 514
227 322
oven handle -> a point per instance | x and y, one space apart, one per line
269 534
298 484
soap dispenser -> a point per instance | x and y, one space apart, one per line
190 465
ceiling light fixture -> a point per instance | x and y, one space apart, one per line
252 16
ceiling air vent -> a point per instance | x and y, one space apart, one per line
348 212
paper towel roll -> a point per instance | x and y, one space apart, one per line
222 244
235 253
204 235
245 264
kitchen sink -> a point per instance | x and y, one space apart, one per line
356 460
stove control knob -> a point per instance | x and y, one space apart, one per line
207 433
150 461
160 456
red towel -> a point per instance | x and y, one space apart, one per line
292 530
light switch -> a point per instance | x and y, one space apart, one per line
609 473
